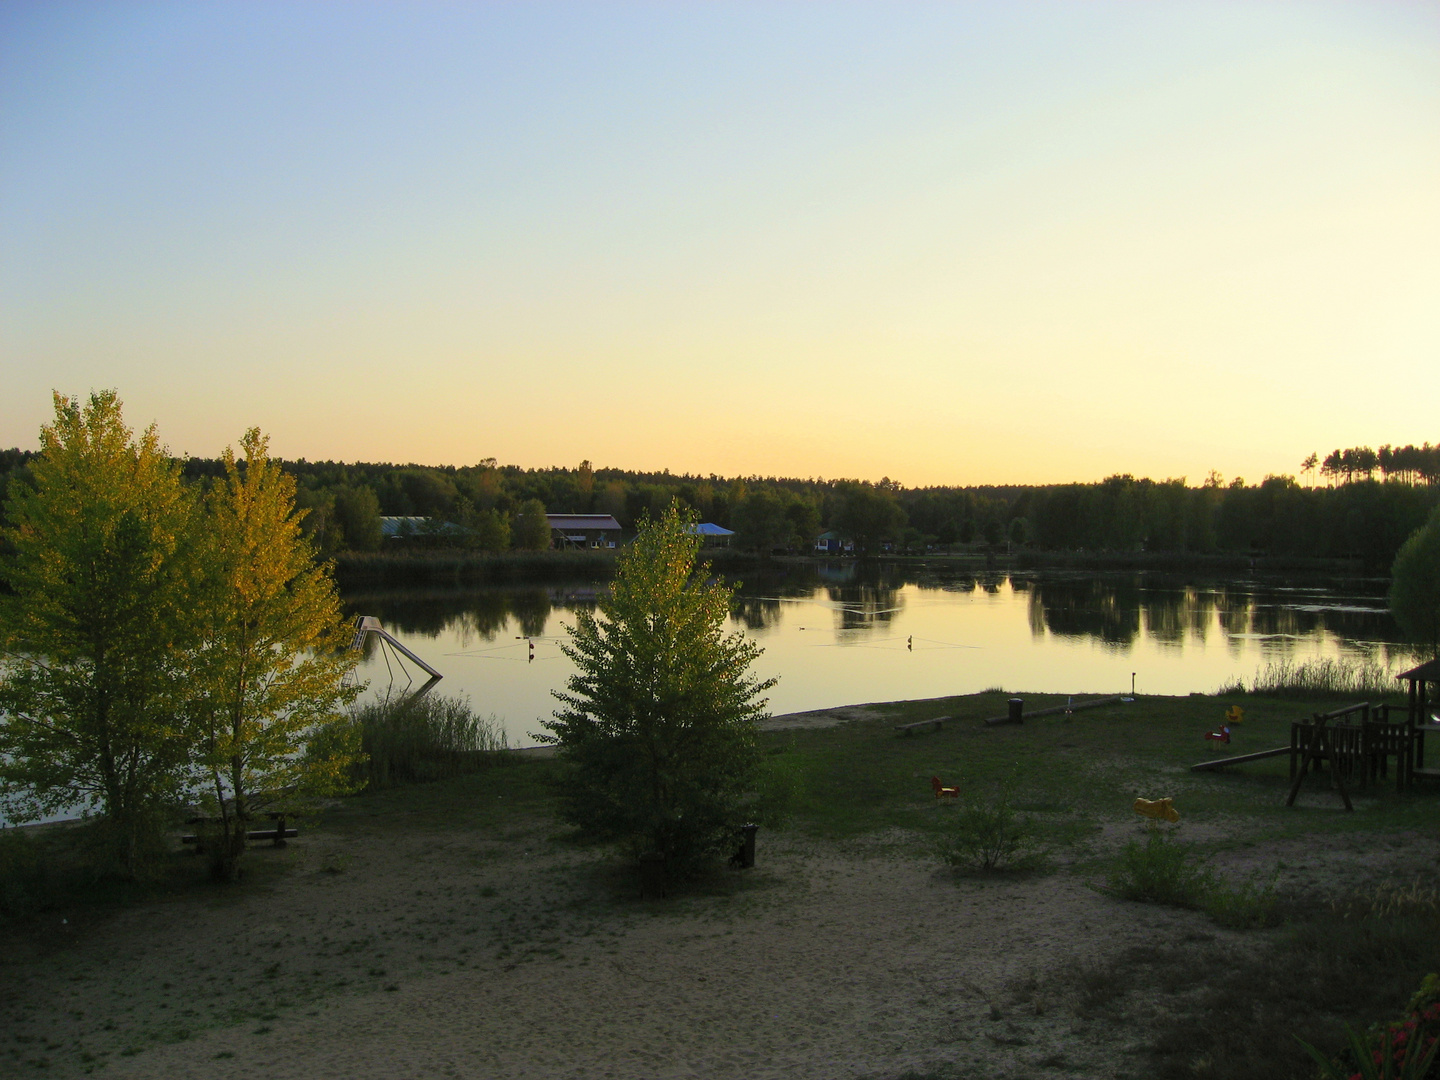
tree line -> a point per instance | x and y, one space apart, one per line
1406 464
502 507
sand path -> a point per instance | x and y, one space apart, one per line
464 956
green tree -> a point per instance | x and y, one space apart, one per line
321 524
270 659
1415 585
93 672
531 529
760 521
804 518
658 723
357 512
870 514
489 530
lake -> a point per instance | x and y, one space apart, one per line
842 632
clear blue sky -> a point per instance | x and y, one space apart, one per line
946 243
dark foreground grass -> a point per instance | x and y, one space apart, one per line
1236 1012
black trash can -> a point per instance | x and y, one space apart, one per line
744 857
1017 708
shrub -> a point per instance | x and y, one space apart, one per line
1404 1049
413 740
991 835
1161 871
1164 871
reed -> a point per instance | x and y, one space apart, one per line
1320 677
412 740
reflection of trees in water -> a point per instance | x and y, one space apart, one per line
531 610
471 616
1165 616
1232 607
1108 610
1115 609
1035 613
864 607
1199 611
756 612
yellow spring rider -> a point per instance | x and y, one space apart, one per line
1159 809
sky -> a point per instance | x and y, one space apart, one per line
945 243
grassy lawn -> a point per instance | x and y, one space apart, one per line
1078 772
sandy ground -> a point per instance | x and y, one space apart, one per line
371 951
459 954
823 718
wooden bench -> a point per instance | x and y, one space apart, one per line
937 723
276 835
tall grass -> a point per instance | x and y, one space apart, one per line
414 740
1320 677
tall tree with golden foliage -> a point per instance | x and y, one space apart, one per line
271 658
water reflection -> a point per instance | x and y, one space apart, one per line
863 607
756 612
1116 610
1106 610
911 632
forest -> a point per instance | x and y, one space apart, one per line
1363 506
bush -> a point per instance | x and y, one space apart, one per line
413 740
1404 1049
1164 871
991 836
1161 871
1249 905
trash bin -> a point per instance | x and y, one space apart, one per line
1017 708
745 854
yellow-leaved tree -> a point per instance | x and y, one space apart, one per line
270 659
93 670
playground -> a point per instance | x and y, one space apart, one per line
1357 745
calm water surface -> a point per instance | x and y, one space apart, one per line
842 633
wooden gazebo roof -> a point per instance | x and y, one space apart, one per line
1426 672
